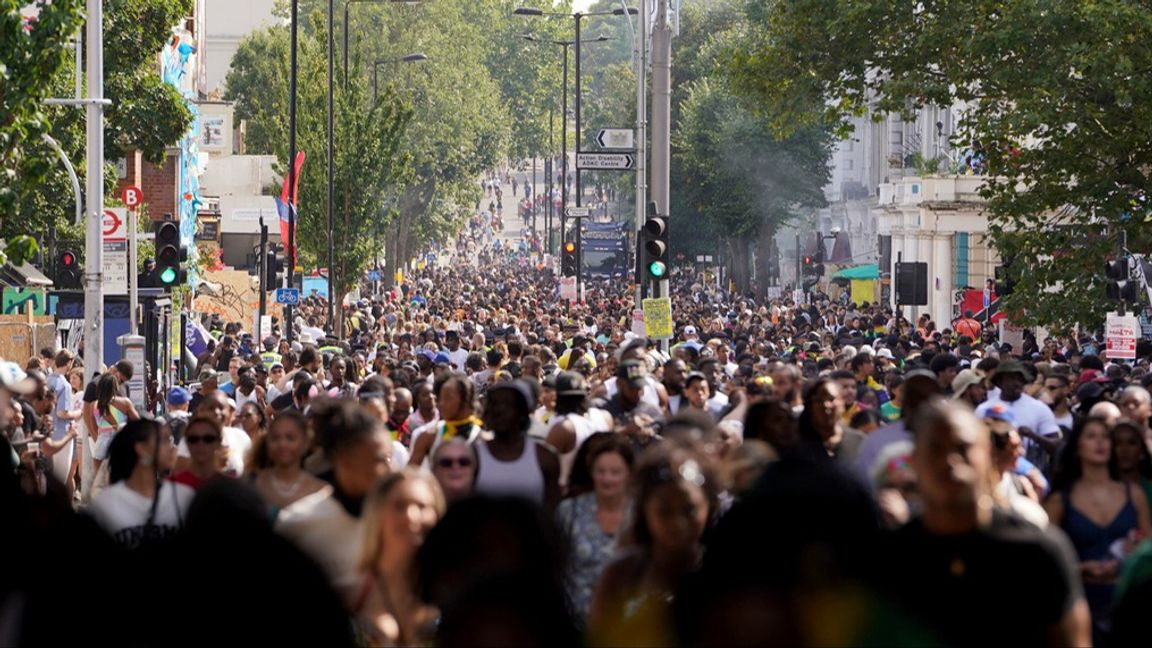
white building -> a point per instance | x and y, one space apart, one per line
896 191
226 23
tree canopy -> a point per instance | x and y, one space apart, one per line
1056 104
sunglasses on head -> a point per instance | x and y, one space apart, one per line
202 438
448 462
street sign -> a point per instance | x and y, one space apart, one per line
114 225
658 317
132 197
373 275
1120 334
605 161
638 328
288 296
578 212
115 259
568 288
616 138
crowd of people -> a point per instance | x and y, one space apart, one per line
477 462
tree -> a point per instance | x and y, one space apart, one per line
741 179
31 54
733 178
144 113
368 135
1057 107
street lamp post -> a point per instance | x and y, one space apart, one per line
576 17
410 58
347 6
331 198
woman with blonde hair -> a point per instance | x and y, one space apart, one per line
402 509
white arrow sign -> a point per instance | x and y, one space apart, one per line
616 138
578 212
611 161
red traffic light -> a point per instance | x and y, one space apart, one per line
807 260
68 259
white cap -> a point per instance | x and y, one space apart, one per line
689 330
885 353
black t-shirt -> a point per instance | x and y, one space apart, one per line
1010 582
224 358
90 391
282 401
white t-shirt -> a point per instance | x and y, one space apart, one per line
123 513
237 442
458 358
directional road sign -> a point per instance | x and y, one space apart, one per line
616 138
605 161
288 296
578 212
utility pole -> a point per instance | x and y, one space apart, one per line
640 49
262 270
94 230
289 328
335 330
661 119
576 234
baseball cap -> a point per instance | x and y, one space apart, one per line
570 383
441 358
964 380
885 353
999 412
276 364
689 330
179 396
631 371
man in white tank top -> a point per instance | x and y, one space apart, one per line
513 463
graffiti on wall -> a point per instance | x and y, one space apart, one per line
16 301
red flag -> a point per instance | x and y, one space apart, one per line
282 206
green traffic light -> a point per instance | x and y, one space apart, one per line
657 269
168 276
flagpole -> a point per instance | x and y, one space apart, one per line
289 325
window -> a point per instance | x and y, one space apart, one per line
960 259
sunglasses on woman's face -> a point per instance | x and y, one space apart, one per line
448 462
202 438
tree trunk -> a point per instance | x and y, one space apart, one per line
738 263
765 256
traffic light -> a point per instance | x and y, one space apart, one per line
568 261
656 244
169 254
812 266
1120 285
68 276
1005 282
273 269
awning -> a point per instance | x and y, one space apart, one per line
23 276
866 271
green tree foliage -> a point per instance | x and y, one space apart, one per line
1057 105
30 57
145 113
368 133
735 181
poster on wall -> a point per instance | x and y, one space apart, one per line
212 133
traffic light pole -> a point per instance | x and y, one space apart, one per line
262 269
661 119
577 233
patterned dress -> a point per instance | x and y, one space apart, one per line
591 548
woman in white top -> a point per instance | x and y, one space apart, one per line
139 506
